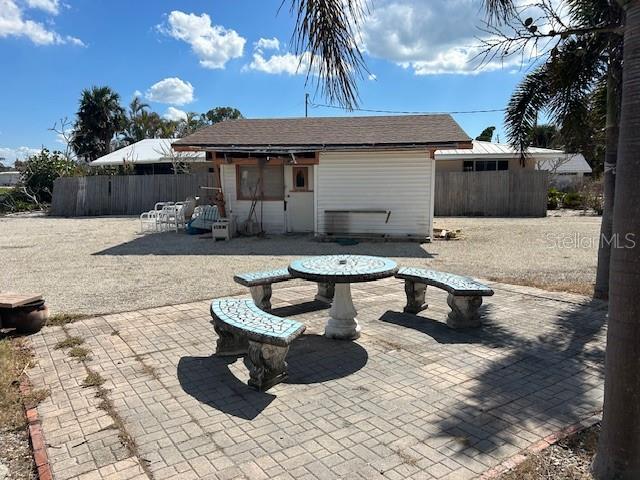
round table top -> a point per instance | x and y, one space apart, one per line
343 268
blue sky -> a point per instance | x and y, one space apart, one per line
193 55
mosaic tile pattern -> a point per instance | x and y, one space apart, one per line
252 279
456 284
343 268
244 315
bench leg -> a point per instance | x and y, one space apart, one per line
326 291
229 344
267 366
464 311
261 295
415 296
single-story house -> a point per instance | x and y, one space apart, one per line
9 179
372 176
569 169
488 156
152 156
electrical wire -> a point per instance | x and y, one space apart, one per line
370 110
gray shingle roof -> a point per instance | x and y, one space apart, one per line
334 132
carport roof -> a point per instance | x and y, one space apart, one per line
320 133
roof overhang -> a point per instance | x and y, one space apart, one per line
288 149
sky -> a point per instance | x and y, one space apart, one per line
193 55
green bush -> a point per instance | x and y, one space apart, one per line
554 198
42 169
572 200
15 200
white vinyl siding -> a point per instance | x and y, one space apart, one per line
273 211
398 181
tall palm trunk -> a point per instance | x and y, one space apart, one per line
611 154
618 455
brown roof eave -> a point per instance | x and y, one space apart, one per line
314 148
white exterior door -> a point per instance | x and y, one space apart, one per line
299 198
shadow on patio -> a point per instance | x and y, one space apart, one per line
311 359
170 243
550 377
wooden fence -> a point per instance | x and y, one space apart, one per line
492 194
126 194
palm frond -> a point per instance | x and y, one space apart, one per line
327 31
499 11
530 97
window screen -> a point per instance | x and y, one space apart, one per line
260 182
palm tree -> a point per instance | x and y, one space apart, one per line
618 455
99 118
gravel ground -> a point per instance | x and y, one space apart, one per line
102 265
569 459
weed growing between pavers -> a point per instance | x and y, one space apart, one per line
93 379
61 319
69 342
80 353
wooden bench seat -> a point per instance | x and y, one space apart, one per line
243 328
259 284
465 294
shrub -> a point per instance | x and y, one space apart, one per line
41 170
592 196
554 198
572 200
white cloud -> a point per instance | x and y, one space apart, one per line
171 90
287 63
10 155
267 44
430 37
175 114
50 6
213 44
14 24
137 93
372 77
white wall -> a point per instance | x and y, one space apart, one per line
399 181
273 211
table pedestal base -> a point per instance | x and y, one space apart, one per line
343 323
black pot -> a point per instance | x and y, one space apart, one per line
29 318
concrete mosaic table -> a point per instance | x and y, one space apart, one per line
343 270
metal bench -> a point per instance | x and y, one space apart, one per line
259 284
465 294
243 328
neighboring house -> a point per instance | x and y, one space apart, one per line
566 170
8 179
371 176
487 156
151 156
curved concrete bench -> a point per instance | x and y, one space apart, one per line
465 294
243 328
259 284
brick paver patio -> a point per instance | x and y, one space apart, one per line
410 399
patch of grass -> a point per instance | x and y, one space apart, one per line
69 342
581 288
34 397
80 353
93 379
15 358
60 319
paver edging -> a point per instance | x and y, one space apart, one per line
36 434
546 442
